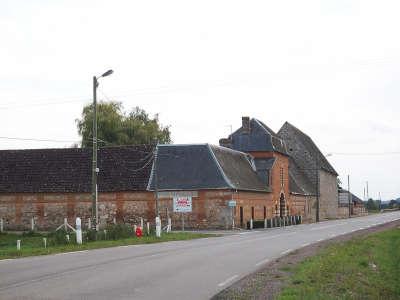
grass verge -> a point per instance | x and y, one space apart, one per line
363 268
32 244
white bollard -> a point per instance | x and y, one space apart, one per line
141 223
158 227
78 223
134 229
67 237
1 226
115 221
169 226
265 223
32 223
251 224
45 242
18 245
148 228
89 223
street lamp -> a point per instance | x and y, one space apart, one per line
95 169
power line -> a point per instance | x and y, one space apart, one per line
366 153
37 140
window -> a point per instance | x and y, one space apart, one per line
281 173
252 213
265 212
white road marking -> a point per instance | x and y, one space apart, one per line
228 280
286 252
264 261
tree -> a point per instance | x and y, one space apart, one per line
115 127
372 205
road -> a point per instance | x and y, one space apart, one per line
195 269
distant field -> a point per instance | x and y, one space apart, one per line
363 268
32 243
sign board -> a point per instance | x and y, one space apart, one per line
182 204
231 203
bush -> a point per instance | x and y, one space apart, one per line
30 233
59 237
119 231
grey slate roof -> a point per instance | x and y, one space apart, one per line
204 166
303 150
69 169
298 181
260 138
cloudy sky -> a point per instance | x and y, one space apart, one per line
329 67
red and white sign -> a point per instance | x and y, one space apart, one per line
183 204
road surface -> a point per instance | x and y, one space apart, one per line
195 269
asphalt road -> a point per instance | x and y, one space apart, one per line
195 269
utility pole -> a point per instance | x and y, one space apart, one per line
156 180
317 186
95 169
94 158
348 194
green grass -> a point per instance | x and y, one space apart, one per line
363 268
32 244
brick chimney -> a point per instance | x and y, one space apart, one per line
246 124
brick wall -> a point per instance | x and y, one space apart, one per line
304 206
281 162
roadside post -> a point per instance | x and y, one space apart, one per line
265 223
232 205
89 223
148 228
18 245
169 225
182 205
32 224
251 224
45 242
158 227
78 223
141 223
1 225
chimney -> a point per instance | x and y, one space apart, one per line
246 124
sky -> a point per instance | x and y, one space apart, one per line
331 68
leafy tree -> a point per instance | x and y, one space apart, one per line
372 205
115 127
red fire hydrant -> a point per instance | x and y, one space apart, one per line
139 232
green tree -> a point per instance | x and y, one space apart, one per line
115 127
372 205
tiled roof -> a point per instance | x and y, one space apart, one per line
125 168
196 167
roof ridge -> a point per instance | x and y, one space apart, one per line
228 182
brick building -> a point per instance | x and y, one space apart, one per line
268 174
309 165
52 184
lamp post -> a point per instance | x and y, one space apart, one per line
95 170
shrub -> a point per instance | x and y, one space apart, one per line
119 231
